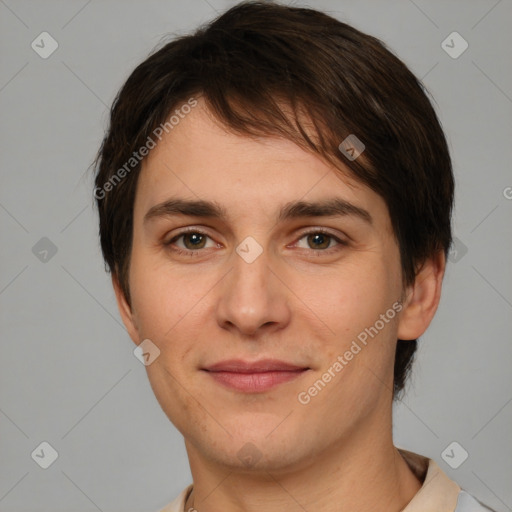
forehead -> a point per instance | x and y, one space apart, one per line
201 158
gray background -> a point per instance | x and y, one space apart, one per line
68 375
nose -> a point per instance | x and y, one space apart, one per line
253 300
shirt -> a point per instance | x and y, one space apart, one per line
438 492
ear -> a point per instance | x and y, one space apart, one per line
422 298
125 311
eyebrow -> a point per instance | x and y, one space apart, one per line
332 207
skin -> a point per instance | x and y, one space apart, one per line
296 302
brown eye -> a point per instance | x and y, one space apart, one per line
190 242
319 240
194 240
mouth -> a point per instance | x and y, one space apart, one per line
254 377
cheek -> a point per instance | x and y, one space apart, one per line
350 302
168 312
159 299
349 298
171 308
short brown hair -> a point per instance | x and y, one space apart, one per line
260 66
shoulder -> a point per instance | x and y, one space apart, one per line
178 504
468 503
438 491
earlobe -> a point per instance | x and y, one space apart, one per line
125 311
422 298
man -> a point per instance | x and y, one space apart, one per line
275 194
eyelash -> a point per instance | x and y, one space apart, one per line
322 231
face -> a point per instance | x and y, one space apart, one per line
252 298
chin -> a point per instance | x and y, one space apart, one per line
253 457
260 447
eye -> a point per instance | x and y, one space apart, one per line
319 240
189 241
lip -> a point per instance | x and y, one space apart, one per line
263 365
254 377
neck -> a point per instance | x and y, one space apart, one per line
364 474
